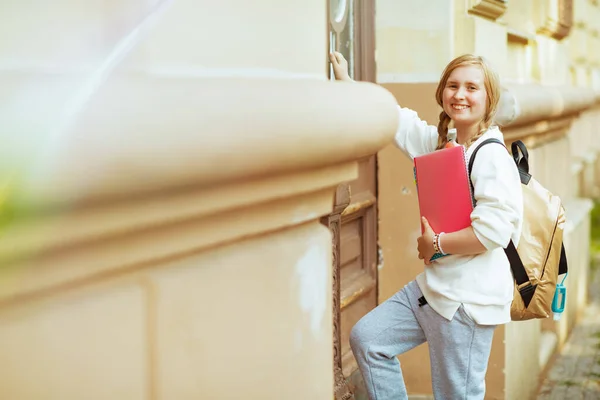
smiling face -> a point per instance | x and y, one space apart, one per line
464 96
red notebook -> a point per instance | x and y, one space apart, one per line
444 189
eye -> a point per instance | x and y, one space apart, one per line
452 86
472 87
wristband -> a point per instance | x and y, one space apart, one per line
439 243
436 249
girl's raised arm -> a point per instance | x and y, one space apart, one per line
414 137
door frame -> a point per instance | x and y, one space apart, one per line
364 70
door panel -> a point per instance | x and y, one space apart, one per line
358 263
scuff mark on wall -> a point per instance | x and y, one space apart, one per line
379 258
312 271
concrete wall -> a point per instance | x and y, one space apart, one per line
164 172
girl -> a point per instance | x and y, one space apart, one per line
457 301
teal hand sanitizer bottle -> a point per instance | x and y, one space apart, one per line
560 297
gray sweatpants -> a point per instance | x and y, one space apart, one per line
459 349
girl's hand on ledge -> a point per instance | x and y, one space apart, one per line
340 67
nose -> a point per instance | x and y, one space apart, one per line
460 93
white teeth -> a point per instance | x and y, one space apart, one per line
459 107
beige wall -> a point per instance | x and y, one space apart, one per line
404 29
172 330
178 37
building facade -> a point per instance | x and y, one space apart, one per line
545 52
193 210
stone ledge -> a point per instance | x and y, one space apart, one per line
492 9
539 114
98 226
141 134
533 102
140 179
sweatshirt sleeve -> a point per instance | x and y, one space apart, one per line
498 212
414 137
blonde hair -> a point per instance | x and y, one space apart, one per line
492 88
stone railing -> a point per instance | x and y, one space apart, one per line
171 244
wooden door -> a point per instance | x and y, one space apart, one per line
354 220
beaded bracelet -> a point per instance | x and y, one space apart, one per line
439 243
436 248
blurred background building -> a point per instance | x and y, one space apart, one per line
191 209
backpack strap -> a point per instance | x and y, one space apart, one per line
562 265
516 265
521 161
472 160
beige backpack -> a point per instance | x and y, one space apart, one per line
540 257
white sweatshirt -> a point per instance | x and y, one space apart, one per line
483 283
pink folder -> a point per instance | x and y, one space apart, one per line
444 189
